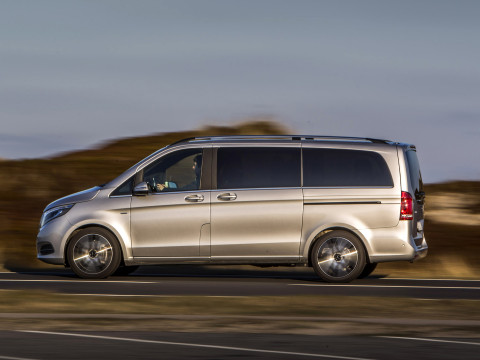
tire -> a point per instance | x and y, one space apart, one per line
125 270
94 253
338 256
367 270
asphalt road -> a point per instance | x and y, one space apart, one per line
41 345
240 281
237 281
230 281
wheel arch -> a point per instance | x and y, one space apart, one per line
91 225
319 234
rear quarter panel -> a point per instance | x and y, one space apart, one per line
362 210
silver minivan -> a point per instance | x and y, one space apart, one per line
338 204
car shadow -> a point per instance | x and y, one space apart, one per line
297 273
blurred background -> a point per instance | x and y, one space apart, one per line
88 88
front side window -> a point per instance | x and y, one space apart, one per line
125 189
178 171
343 168
241 168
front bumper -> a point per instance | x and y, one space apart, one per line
50 241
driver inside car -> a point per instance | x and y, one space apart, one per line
194 185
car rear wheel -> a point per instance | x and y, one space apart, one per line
94 253
338 256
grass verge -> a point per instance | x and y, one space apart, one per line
296 315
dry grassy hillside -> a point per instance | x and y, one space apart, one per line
453 229
27 186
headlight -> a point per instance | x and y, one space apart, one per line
54 213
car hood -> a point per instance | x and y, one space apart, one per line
82 196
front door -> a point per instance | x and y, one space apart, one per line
173 219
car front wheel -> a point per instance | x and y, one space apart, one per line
94 253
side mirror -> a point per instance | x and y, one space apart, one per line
141 189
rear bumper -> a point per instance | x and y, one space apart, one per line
397 244
420 254
420 250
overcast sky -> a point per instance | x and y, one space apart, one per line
75 73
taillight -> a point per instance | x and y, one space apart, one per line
406 208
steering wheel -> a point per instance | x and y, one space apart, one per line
152 184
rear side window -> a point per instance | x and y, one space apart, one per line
338 167
240 168
414 170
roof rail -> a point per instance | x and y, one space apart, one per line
183 140
280 137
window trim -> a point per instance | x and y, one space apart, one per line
214 168
206 177
210 170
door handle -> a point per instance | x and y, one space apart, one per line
227 196
194 198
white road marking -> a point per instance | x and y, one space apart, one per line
311 285
389 286
80 281
14 358
195 345
431 340
119 295
478 280
168 296
231 276
421 299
